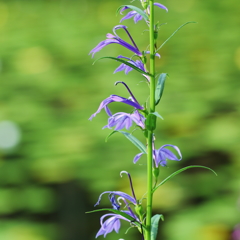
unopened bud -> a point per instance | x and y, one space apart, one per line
139 210
145 4
155 172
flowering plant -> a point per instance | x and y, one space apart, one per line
143 116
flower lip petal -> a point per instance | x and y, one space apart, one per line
137 157
161 6
128 15
123 9
176 148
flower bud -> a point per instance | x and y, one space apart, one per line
155 35
145 4
155 172
139 210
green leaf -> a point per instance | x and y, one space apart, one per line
138 10
179 171
173 35
135 141
154 225
126 63
130 137
119 213
157 114
160 87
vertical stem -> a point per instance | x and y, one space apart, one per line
150 132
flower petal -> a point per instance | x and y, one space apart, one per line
137 157
172 155
161 6
137 18
129 15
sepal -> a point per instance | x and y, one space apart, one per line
139 210
156 172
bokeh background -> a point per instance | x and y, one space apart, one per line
54 163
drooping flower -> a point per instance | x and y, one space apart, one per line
116 39
161 155
124 120
113 222
137 63
135 15
115 98
123 67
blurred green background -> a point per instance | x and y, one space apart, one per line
54 163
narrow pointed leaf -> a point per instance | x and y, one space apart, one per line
179 171
138 10
126 63
135 141
157 114
131 138
173 35
123 214
154 225
160 87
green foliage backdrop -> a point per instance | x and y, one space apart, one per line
54 162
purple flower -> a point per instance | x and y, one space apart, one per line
135 15
236 232
112 195
161 155
132 14
161 6
114 98
113 223
124 120
116 39
123 67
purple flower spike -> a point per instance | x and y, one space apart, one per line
116 39
124 120
115 98
161 6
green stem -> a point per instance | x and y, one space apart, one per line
150 132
